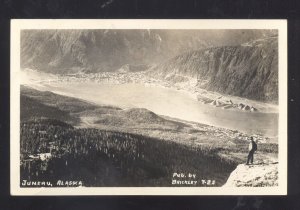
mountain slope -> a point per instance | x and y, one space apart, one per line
64 51
32 109
249 70
63 103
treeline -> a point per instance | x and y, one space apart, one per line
105 158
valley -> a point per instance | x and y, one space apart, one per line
66 131
181 101
134 107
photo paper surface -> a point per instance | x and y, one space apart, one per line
148 107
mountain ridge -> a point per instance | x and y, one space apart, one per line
62 51
249 70
72 51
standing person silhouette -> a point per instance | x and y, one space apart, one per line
252 149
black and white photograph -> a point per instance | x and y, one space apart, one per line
148 107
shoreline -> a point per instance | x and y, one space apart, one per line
189 88
187 92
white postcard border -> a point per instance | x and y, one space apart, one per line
18 25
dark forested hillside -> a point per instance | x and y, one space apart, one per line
104 158
248 70
52 149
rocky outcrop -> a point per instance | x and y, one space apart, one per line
257 175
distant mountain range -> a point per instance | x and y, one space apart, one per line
66 51
248 70
235 62
61 51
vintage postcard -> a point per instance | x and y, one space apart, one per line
148 107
